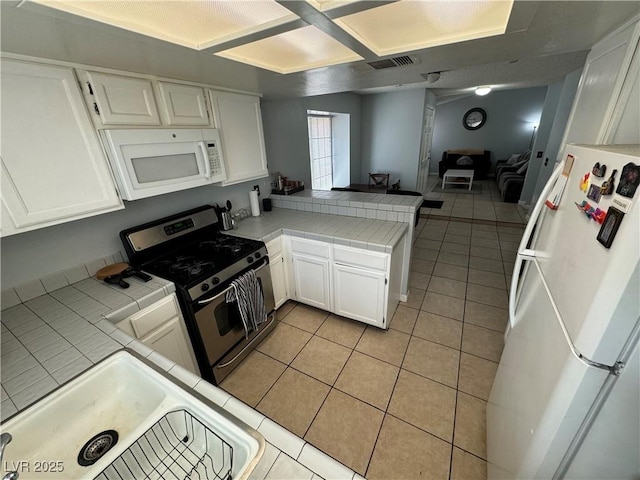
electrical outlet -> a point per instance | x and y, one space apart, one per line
257 187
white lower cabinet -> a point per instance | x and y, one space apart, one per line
161 327
351 282
312 281
276 267
169 340
360 294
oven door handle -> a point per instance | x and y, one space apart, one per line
226 364
209 300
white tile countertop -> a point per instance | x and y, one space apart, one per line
49 339
378 235
370 204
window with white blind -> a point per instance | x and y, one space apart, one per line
320 149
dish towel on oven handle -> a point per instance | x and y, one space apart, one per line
246 292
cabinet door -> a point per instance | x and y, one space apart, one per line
311 280
183 104
600 86
53 167
123 100
170 340
239 120
359 294
276 264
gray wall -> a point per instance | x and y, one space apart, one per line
391 134
511 115
557 108
286 136
554 148
541 139
31 255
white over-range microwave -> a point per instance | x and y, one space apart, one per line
148 162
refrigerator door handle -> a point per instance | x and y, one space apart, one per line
615 369
523 252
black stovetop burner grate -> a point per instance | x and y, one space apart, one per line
201 259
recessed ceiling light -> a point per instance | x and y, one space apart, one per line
408 25
196 24
483 90
294 51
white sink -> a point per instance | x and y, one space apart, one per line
163 430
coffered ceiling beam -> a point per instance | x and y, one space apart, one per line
254 37
322 21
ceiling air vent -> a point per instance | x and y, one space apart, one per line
394 62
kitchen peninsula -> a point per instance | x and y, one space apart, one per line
392 208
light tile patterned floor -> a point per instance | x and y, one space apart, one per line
486 205
408 402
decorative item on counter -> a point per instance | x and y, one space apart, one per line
266 204
629 180
115 274
594 193
553 200
599 170
584 183
225 219
610 227
396 186
607 187
288 187
255 205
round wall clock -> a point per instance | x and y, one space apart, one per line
474 119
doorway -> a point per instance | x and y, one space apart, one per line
425 150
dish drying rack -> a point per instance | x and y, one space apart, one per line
178 446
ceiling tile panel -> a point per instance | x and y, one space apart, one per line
409 25
293 51
192 23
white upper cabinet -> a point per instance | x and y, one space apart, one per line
122 100
239 120
53 167
183 104
603 110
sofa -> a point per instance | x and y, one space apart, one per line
510 176
466 159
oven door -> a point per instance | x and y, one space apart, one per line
220 324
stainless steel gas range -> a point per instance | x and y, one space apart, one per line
189 250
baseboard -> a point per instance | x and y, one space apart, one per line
403 297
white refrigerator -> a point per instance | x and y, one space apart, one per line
566 398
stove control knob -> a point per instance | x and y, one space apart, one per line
204 287
250 259
258 255
215 280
